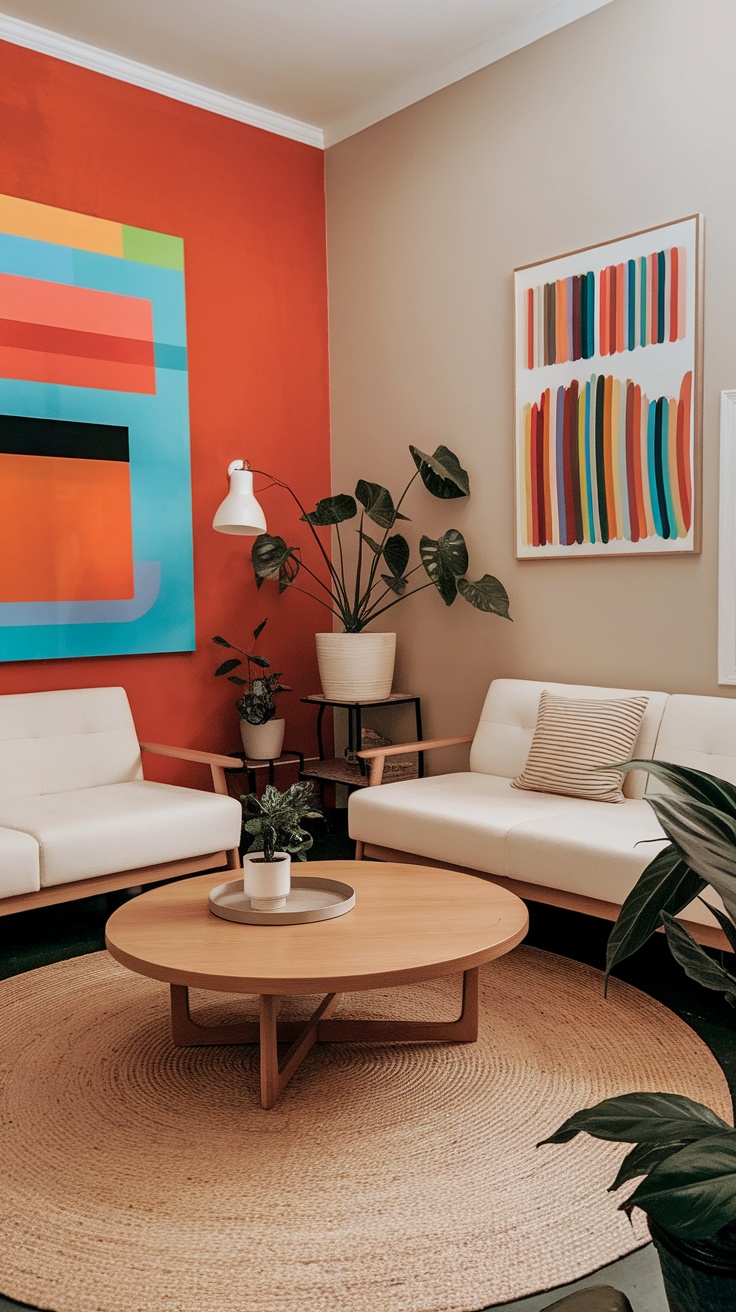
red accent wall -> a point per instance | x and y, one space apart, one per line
250 207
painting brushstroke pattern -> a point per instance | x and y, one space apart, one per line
604 462
639 302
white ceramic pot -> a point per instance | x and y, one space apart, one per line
262 742
356 667
267 883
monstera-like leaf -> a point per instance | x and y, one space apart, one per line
377 503
445 560
441 473
487 594
331 510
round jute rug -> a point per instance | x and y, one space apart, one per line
139 1177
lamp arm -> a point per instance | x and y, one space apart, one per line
339 586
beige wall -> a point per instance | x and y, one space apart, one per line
620 121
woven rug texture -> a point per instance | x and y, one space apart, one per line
140 1177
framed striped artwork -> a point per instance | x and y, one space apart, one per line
609 397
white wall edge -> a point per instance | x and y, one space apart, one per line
20 33
426 84
727 543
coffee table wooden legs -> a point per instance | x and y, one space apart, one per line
321 1027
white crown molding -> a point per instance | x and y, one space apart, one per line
20 33
436 79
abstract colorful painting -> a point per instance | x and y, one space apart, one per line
95 490
608 398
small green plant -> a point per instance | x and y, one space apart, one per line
256 705
379 575
275 820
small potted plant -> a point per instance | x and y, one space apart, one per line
275 823
682 1153
262 734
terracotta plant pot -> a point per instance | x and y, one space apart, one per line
262 742
356 667
267 883
699 1274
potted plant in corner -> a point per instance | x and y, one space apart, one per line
355 666
262 734
685 1153
275 823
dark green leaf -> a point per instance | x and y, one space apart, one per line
224 643
396 585
444 559
234 678
642 1159
331 510
374 546
724 921
692 1193
686 782
259 630
396 554
268 555
649 1118
227 666
441 473
378 503
695 961
667 884
705 837
487 594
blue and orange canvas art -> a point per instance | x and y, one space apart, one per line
608 407
95 489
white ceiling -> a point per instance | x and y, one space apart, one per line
317 70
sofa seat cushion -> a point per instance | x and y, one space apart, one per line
98 831
20 863
483 823
462 818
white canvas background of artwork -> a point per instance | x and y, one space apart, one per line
658 370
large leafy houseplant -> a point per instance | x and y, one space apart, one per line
362 585
682 1153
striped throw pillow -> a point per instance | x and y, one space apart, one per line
573 738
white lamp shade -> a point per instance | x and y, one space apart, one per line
240 512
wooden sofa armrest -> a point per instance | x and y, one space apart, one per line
215 760
377 755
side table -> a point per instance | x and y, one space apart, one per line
354 773
251 766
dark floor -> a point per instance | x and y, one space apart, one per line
37 938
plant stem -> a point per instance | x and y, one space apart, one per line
278 482
318 600
374 565
368 614
359 569
398 599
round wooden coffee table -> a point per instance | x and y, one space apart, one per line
409 923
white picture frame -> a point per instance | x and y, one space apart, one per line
727 543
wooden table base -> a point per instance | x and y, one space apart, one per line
321 1027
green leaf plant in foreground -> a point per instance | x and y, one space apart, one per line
274 821
373 571
682 1153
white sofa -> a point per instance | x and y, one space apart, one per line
583 855
77 816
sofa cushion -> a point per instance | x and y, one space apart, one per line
98 831
596 851
480 822
506 727
20 863
51 742
573 738
699 732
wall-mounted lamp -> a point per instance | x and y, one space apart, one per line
240 512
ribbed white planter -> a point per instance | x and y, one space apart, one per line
267 883
356 667
262 742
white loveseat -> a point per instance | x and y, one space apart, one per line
574 853
77 816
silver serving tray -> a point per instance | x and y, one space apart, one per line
310 899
